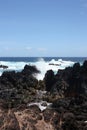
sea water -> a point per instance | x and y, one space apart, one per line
42 63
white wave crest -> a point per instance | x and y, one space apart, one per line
41 65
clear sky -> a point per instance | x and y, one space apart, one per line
43 28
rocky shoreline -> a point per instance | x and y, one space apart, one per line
66 91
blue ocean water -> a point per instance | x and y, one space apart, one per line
34 59
42 63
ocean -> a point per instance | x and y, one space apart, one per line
42 63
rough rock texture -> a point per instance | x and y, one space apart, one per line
73 112
18 87
71 81
49 79
30 118
67 90
71 86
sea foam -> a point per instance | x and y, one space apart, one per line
41 65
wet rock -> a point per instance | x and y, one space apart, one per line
3 66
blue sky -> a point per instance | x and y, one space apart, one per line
43 28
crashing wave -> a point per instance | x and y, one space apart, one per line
41 65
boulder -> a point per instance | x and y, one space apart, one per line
4 66
49 79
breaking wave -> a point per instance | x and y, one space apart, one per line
41 65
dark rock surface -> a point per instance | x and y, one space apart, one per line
3 66
71 81
18 87
49 80
67 90
71 85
